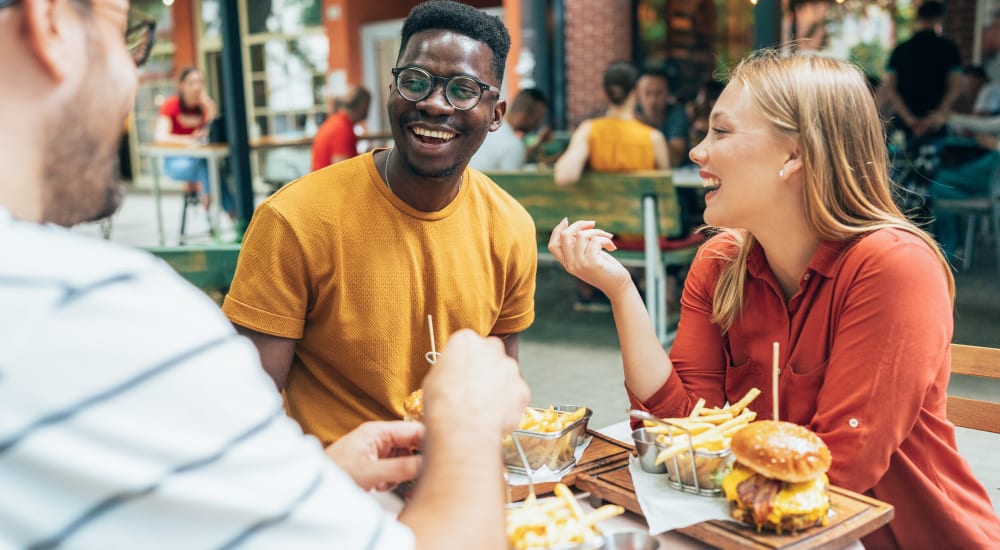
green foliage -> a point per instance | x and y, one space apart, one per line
870 56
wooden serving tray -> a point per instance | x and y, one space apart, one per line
854 516
601 452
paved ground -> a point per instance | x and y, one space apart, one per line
570 357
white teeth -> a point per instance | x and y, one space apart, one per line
711 183
436 134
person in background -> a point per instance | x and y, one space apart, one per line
655 108
133 414
698 111
340 269
184 119
505 148
971 83
335 140
970 179
616 141
813 254
613 143
922 77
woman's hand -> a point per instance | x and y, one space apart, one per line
581 249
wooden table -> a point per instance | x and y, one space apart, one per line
273 142
211 152
602 476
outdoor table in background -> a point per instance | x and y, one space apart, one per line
211 152
686 177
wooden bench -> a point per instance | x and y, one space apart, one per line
974 413
641 206
210 267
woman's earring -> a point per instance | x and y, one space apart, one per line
781 173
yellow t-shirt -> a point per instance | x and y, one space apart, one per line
338 261
618 145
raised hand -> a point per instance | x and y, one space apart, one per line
582 249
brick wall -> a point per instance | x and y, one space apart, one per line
960 25
597 33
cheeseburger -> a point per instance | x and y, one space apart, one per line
779 479
413 407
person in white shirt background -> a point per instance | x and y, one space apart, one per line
506 148
131 413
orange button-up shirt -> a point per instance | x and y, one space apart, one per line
864 361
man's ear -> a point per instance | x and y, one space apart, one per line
47 26
498 111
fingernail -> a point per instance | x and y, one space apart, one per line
565 220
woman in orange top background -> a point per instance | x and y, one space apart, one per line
811 253
617 141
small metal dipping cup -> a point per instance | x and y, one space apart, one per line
645 446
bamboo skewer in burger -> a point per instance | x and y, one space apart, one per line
779 480
413 407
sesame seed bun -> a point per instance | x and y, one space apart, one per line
781 450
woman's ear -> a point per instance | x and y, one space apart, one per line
793 165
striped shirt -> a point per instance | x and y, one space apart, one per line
133 416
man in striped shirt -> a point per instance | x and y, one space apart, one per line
131 413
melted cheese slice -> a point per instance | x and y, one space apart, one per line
808 498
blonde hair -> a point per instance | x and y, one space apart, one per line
825 105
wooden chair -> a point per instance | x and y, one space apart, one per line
974 413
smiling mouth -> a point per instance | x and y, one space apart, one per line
711 183
432 136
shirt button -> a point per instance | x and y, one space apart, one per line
853 423
806 276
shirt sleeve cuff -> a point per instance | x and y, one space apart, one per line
666 402
252 318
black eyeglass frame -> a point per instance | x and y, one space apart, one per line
445 81
145 24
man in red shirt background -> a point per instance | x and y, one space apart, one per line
335 140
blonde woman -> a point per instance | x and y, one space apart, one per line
812 254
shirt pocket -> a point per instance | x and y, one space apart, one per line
803 382
740 378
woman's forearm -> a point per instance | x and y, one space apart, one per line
647 365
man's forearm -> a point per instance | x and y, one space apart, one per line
459 497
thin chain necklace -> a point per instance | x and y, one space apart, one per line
387 155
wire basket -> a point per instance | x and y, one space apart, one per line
698 471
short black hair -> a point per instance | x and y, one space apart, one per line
527 98
930 10
452 16
619 80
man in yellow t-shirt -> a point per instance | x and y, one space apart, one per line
340 269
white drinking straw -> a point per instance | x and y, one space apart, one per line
432 356
774 382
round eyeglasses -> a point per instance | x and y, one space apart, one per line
462 92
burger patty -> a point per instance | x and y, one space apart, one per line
790 524
757 496
758 493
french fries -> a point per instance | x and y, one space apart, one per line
551 439
708 430
544 523
549 420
